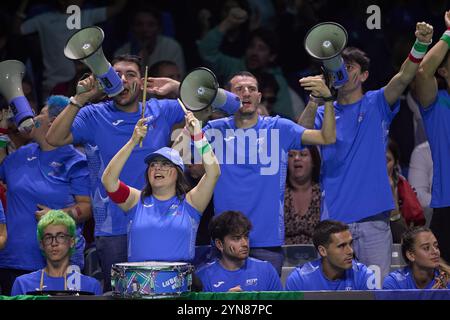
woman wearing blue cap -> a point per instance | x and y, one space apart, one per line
165 215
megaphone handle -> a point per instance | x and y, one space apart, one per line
185 110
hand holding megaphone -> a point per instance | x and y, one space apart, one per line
87 90
317 86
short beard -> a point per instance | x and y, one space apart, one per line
246 115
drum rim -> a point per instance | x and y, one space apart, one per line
161 266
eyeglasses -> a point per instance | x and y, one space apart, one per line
59 238
163 165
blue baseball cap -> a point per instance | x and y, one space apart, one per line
170 154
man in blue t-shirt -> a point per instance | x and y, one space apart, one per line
235 271
56 236
354 178
336 269
104 128
253 153
435 109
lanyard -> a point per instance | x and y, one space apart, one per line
41 284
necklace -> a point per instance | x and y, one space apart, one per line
41 284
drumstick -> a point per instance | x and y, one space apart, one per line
144 98
185 110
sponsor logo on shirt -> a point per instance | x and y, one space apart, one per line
251 282
117 122
31 158
218 284
361 117
148 205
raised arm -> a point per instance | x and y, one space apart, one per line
110 177
59 134
200 196
398 84
319 91
426 84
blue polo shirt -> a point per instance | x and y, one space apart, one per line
253 164
254 275
354 174
310 277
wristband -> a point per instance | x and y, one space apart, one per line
121 194
446 37
74 102
4 131
315 99
326 99
418 51
202 146
198 136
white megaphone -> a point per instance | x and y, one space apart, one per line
11 75
325 42
200 88
86 46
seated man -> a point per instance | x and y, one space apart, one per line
235 271
336 269
56 236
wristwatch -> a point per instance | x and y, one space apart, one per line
75 102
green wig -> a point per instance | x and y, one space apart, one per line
57 217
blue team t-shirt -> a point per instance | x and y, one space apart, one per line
31 282
253 164
104 129
403 279
33 176
255 275
354 174
310 277
436 119
163 230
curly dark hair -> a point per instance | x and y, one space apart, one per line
227 223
